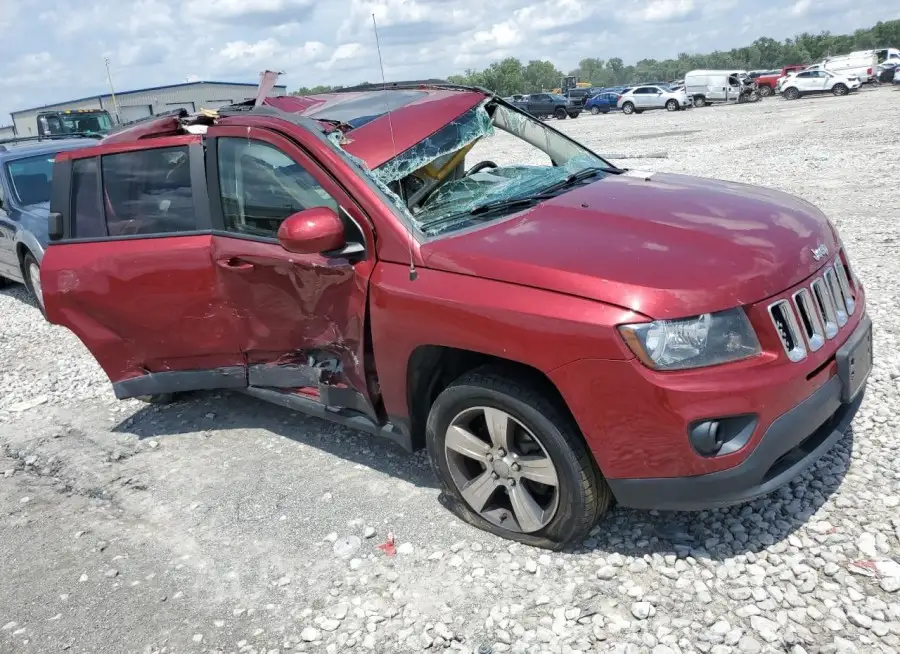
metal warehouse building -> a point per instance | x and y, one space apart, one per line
141 103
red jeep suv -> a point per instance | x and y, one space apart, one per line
558 334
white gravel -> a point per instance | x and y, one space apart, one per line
221 524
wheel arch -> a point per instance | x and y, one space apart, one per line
27 244
432 368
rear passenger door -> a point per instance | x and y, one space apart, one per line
818 81
132 275
540 104
641 96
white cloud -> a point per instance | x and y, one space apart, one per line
656 11
801 7
59 45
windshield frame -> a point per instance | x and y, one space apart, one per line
11 178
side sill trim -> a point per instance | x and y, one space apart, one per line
342 417
177 381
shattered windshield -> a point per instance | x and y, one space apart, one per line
471 169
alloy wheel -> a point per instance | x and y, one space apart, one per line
501 469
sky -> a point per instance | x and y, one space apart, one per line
54 50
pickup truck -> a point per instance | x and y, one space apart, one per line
544 105
768 83
557 332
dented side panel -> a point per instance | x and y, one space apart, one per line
144 305
292 306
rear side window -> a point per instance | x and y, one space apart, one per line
148 192
86 208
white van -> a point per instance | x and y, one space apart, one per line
706 86
861 64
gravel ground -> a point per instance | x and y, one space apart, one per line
222 524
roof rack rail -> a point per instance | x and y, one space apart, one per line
410 84
51 137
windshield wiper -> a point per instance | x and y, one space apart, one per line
544 194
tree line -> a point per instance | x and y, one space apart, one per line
512 76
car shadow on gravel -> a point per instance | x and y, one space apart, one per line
17 292
711 535
720 534
198 412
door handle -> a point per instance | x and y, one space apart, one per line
234 263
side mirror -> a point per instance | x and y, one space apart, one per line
55 228
312 231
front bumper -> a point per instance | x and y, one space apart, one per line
791 444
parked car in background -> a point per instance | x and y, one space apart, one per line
897 75
545 381
580 95
862 65
544 105
645 98
767 83
709 86
886 71
26 168
603 103
810 82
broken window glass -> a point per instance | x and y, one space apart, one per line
434 187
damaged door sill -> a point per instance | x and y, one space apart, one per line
343 417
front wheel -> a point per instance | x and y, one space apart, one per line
699 101
595 110
791 93
765 91
32 273
512 462
560 114
628 108
574 115
839 89
671 105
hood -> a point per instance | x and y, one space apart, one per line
667 246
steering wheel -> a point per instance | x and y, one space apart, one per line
481 165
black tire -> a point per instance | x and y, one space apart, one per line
790 93
765 91
699 101
574 115
583 495
672 105
29 264
754 96
560 114
595 110
840 89
628 108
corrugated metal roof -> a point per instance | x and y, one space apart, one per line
145 90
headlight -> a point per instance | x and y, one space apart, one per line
704 340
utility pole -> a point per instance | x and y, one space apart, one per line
112 91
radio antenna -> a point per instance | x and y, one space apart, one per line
413 274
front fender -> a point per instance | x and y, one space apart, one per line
539 328
26 239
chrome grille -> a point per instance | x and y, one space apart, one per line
816 313
809 319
